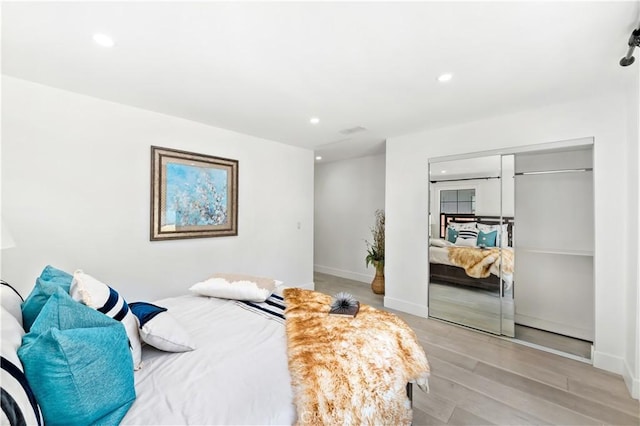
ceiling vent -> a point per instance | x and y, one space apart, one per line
353 130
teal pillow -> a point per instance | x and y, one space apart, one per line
78 363
46 284
487 239
452 235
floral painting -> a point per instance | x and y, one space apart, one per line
193 195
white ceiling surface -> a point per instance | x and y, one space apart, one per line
265 68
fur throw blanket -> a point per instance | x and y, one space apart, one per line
479 263
348 370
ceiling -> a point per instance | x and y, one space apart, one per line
266 68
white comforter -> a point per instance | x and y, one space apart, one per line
237 375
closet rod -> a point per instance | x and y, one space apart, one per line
548 172
456 180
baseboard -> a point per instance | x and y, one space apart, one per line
605 361
356 276
633 383
555 327
408 307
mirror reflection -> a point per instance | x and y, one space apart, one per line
470 239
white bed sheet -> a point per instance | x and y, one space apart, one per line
238 374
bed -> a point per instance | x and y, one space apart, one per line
476 265
232 363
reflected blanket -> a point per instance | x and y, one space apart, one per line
479 263
348 370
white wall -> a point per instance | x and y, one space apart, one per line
488 198
76 190
632 358
347 194
406 200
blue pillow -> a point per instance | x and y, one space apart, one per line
452 235
487 239
145 311
46 284
78 363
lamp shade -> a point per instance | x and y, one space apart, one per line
6 239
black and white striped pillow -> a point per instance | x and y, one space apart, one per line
11 300
468 234
99 296
19 406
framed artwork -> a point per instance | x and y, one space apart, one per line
192 195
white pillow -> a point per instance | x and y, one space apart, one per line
101 297
458 226
438 242
236 287
466 242
160 329
165 333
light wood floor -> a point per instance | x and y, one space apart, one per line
478 379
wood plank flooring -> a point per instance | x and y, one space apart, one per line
478 379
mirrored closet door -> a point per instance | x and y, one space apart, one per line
470 226
511 244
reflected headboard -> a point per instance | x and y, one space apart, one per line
446 218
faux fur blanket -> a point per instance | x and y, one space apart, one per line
348 370
479 263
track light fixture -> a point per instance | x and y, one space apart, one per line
634 41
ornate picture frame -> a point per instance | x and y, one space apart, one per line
192 195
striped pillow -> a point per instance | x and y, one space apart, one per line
11 300
468 234
19 405
103 298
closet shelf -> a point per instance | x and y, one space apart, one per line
554 251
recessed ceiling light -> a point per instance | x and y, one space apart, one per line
318 158
103 40
314 120
443 171
443 78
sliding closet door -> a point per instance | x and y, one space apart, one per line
507 202
553 241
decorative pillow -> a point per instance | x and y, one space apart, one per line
468 234
452 235
19 404
236 286
503 234
462 225
437 242
78 363
487 239
103 298
46 284
11 300
159 329
466 242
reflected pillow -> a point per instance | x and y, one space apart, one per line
487 239
462 225
437 242
503 235
452 235
466 242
